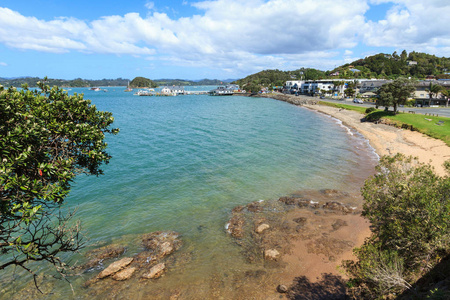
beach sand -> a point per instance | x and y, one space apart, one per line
389 140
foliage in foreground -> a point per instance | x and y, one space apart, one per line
46 138
408 206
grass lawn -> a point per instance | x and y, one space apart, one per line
359 109
436 127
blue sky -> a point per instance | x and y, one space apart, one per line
216 39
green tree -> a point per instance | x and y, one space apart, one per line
47 137
433 90
349 92
404 55
252 87
395 93
446 94
408 206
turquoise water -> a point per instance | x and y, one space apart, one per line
182 163
179 162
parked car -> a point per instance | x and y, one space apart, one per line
359 101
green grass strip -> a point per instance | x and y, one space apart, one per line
435 127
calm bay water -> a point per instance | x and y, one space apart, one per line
182 163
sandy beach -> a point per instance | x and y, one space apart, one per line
388 140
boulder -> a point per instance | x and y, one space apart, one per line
236 226
337 206
166 249
282 289
261 228
155 272
161 243
115 267
254 207
125 274
303 203
271 254
98 255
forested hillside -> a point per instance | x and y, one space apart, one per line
414 64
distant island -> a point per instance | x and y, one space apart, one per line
79 82
380 66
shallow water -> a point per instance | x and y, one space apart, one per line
182 163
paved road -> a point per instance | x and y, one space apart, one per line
441 111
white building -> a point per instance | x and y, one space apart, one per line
169 90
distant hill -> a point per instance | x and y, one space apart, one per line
390 66
78 82
181 82
270 78
382 66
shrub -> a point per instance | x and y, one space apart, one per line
370 109
408 206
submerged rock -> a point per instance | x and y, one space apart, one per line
236 226
271 254
125 274
289 200
254 207
161 243
333 193
238 209
98 255
262 228
338 224
155 272
115 267
337 206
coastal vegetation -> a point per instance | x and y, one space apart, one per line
408 206
47 138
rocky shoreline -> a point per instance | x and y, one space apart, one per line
268 234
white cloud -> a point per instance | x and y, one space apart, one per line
3 64
150 5
411 24
241 35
